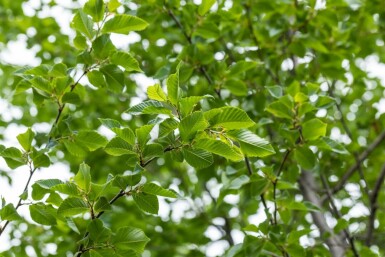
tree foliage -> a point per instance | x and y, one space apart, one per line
263 125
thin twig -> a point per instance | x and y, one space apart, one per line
338 214
275 182
350 135
250 172
31 172
374 206
256 42
361 158
201 68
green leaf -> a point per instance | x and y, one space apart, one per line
238 182
149 107
130 238
91 139
102 47
313 129
67 188
41 84
113 5
251 144
147 202
229 117
118 147
9 213
58 70
83 177
126 134
173 88
220 148
187 104
82 23
25 139
143 134
72 206
95 8
167 126
123 181
43 214
155 92
125 60
191 124
280 110
154 189
197 158
330 144
13 157
275 91
102 204
96 78
110 123
236 86
241 66
40 160
114 77
123 24
305 157
205 6
152 150
72 98
80 42
98 232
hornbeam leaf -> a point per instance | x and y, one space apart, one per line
155 92
192 124
220 148
130 238
82 23
251 144
123 24
147 202
43 214
125 60
155 189
72 206
229 117
198 158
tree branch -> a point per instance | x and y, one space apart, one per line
338 215
350 135
201 68
275 184
309 191
373 206
362 157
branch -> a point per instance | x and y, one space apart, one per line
374 206
250 172
309 192
81 249
350 135
275 184
31 172
338 214
361 158
201 68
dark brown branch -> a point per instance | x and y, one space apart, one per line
275 184
361 158
309 191
373 206
338 215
